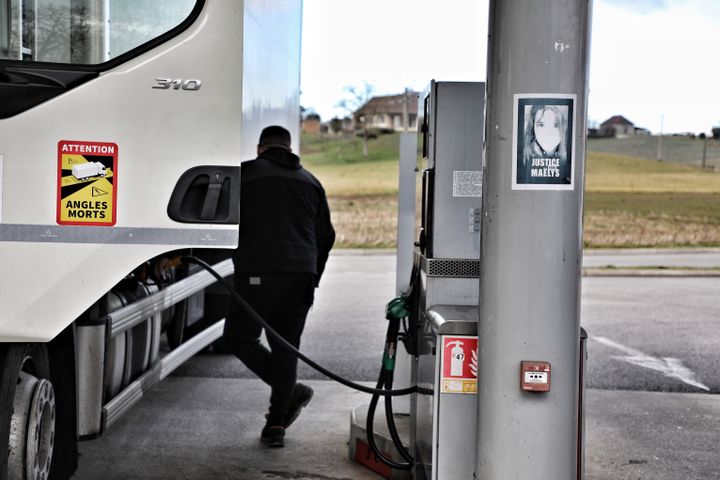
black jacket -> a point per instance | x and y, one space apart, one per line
284 217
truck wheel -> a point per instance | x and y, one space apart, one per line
27 412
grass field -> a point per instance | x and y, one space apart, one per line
629 201
340 164
676 149
362 192
633 202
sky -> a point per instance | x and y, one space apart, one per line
653 61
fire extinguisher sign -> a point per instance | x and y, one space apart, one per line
459 365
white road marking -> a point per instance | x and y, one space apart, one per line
668 366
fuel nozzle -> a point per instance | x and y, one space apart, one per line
395 311
397 308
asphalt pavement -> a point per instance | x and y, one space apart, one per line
692 258
207 428
204 421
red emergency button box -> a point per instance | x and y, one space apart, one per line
534 376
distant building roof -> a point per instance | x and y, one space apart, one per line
616 120
391 104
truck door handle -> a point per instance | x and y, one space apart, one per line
207 194
212 197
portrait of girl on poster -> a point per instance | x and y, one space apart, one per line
544 149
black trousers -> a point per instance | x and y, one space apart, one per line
283 300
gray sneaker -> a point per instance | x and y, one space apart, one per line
301 396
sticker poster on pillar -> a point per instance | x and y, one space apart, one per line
543 142
459 365
87 183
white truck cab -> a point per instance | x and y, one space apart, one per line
122 129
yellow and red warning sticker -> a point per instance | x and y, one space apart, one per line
87 183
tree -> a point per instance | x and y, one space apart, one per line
355 98
716 133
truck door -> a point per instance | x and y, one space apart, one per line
120 131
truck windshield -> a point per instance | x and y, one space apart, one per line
83 31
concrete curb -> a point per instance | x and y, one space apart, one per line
604 271
587 251
349 252
649 251
648 272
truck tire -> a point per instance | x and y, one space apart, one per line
27 412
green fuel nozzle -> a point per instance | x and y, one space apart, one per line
397 308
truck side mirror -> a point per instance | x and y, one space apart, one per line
207 194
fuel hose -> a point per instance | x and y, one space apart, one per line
395 311
287 345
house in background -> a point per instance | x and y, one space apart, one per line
310 124
617 126
386 112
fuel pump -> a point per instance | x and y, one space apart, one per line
445 299
446 287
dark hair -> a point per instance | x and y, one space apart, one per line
531 147
275 136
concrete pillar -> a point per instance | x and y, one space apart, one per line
532 237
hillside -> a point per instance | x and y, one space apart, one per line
629 201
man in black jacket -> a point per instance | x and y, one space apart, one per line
285 238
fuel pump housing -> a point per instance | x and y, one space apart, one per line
447 257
